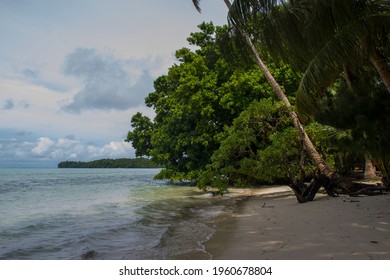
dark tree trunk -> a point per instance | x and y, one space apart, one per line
305 193
369 169
381 64
325 173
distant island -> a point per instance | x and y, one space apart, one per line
111 163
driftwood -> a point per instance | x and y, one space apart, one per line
360 188
305 192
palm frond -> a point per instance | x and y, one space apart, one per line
197 5
327 62
242 11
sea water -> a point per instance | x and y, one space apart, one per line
103 214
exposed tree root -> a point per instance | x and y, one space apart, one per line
334 186
359 188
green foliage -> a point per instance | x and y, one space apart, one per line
280 160
217 122
110 163
261 146
333 42
361 113
194 103
319 37
140 137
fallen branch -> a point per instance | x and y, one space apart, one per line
306 192
360 188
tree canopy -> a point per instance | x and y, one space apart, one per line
322 38
110 163
336 44
218 122
197 101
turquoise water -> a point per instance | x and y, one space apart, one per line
102 214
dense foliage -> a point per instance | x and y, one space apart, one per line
215 117
217 121
322 38
110 163
360 116
343 49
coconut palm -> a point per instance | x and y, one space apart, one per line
323 168
326 37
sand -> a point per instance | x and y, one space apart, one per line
272 225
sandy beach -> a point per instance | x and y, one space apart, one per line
271 224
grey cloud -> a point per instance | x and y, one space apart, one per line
107 84
70 137
8 104
30 73
24 104
23 133
34 76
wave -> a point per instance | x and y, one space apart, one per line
104 214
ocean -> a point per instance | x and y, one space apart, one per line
61 214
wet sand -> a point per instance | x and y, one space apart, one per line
271 224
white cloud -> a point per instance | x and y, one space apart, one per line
114 149
126 45
56 150
42 146
23 94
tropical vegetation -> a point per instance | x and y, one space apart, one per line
225 114
110 163
328 41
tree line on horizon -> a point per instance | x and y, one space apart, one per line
219 122
110 163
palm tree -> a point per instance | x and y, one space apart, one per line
327 37
359 33
325 172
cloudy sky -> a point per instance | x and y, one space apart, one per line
73 72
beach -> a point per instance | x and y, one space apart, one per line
270 224
115 214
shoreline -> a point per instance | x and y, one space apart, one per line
270 224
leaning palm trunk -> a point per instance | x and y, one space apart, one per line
325 172
303 194
381 66
311 150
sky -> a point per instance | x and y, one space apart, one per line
73 72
